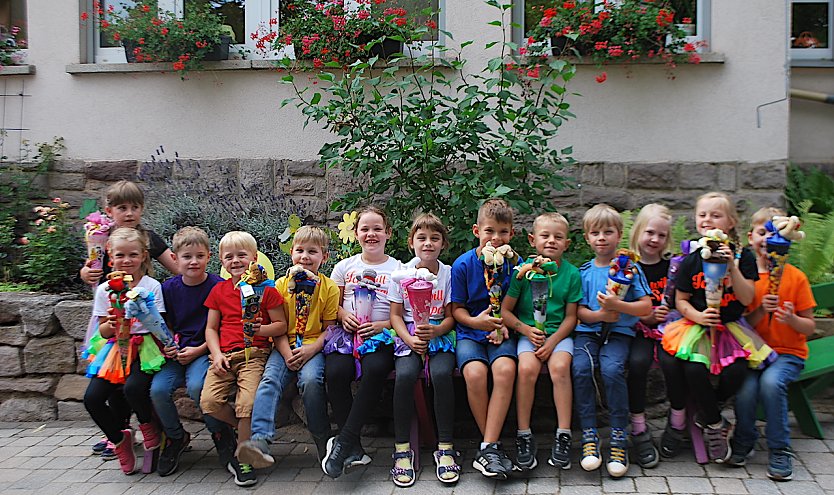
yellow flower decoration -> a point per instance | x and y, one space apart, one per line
346 228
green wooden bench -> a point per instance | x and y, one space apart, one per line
818 373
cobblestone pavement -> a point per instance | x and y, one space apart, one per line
54 458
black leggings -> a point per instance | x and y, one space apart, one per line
441 366
339 370
695 377
640 360
110 405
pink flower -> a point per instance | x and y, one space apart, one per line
56 200
23 241
602 77
51 229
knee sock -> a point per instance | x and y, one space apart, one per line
677 418
638 423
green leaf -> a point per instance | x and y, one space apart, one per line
89 205
288 78
326 76
315 99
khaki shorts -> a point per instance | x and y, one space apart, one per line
217 388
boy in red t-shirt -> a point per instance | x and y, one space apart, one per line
224 337
784 320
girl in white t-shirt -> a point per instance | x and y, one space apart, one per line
114 391
434 342
371 340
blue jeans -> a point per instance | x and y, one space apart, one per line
172 376
311 386
467 350
770 389
589 353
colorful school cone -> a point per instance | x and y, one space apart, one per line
419 296
364 296
302 285
494 259
252 284
540 289
140 304
96 233
783 230
116 370
714 268
621 274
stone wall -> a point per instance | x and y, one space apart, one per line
623 185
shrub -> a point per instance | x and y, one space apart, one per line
53 250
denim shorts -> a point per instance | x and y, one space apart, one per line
469 350
564 345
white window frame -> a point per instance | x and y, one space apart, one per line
813 53
703 18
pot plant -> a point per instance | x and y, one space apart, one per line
149 35
327 31
10 46
620 32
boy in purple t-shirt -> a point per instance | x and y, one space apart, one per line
188 362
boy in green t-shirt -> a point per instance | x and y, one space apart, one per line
551 344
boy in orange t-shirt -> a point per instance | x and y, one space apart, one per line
784 320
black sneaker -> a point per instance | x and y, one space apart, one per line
738 454
334 461
100 446
256 453
780 465
109 452
525 446
560 452
644 450
169 459
226 443
357 457
671 441
488 462
244 473
717 440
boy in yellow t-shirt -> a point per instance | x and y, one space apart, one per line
289 360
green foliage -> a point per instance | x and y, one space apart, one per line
814 185
19 187
579 251
16 287
422 136
53 250
814 255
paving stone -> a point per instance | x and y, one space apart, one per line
801 488
668 468
619 485
685 484
309 474
578 476
761 487
76 475
817 462
200 488
580 490
728 486
653 484
511 486
719 471
809 445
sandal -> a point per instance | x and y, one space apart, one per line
441 470
408 473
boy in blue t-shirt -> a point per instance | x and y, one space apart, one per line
187 363
483 342
608 351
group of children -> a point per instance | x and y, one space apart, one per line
485 318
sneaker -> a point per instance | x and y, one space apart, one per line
124 451
506 462
671 442
739 454
244 473
169 460
780 465
225 443
560 452
525 446
488 462
109 452
717 441
256 453
618 453
99 446
644 450
150 436
334 461
591 457
357 457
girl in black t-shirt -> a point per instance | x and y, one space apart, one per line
714 340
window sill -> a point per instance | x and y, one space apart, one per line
17 70
303 65
812 63
706 58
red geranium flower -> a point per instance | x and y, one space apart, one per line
602 77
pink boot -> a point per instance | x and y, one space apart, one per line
124 451
151 435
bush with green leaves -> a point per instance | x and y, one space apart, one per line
54 249
812 185
814 255
423 134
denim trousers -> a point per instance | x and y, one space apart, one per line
611 357
172 376
770 389
275 380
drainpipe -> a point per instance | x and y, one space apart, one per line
813 96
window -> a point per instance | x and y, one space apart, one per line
528 13
13 14
811 29
243 16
